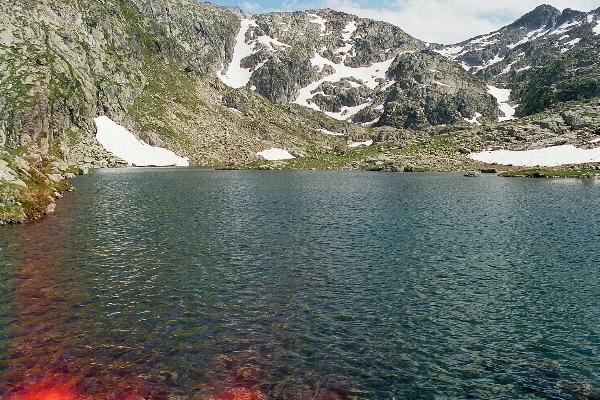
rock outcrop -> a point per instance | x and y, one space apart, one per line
545 57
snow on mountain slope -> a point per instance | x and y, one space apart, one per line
275 154
544 33
120 142
370 77
596 28
322 22
545 157
503 97
235 75
520 55
352 68
326 60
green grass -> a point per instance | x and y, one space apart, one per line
551 173
443 145
591 114
333 160
10 209
165 80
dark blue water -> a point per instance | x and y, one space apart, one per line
193 284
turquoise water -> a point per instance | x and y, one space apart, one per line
192 284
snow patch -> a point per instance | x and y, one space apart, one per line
474 120
370 123
269 42
275 154
236 76
545 157
440 83
330 133
347 36
520 42
369 76
319 21
508 68
123 144
354 145
530 36
502 97
349 31
491 62
596 28
559 30
348 112
537 33
451 52
571 44
387 85
487 39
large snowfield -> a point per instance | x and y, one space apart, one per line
545 157
123 144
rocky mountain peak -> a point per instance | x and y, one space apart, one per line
542 16
569 14
238 12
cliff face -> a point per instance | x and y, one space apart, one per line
62 63
149 65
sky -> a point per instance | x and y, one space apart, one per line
440 21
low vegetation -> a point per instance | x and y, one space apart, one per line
552 173
31 195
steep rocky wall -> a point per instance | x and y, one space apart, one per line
63 63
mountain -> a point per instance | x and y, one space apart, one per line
200 79
352 69
546 56
149 65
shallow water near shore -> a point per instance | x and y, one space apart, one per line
193 284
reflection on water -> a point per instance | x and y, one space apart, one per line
191 284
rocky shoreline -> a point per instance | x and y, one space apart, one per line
30 185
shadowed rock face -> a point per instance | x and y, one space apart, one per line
430 90
543 15
63 63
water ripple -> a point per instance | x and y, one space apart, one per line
192 284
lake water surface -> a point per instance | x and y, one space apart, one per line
194 284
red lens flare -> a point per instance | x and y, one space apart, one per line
47 391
